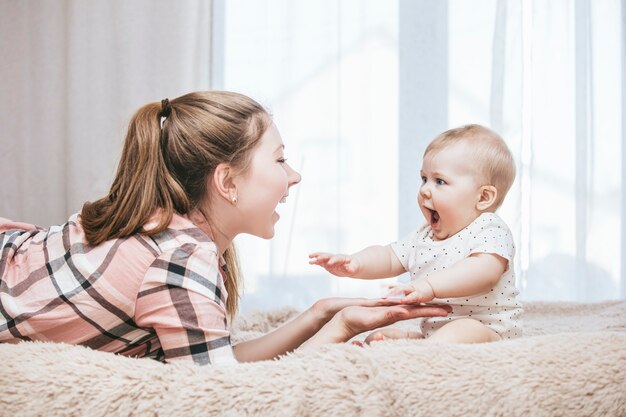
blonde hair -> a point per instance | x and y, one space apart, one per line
494 161
166 169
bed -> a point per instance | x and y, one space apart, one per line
571 361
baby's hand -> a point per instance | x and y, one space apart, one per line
416 292
337 264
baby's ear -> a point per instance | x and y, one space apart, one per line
487 198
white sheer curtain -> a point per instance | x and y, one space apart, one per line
72 74
358 88
575 137
547 75
328 72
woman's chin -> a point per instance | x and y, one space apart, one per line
267 234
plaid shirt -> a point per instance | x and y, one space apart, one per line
161 297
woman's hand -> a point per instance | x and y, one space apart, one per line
356 319
325 308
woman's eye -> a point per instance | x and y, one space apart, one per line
282 160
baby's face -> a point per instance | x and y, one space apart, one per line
450 190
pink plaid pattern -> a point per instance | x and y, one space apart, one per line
161 297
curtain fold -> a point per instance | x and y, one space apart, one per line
623 148
545 85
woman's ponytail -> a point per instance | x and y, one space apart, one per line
231 280
142 185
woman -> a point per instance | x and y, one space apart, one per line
149 270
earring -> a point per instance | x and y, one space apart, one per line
233 200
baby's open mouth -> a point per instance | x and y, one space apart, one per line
434 218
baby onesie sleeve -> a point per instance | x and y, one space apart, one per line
182 297
403 249
492 235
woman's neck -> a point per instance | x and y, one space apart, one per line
200 220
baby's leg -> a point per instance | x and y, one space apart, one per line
392 333
465 331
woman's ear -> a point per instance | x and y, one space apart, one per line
223 183
488 195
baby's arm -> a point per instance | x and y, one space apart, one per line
372 262
473 275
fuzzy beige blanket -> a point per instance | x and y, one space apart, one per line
571 362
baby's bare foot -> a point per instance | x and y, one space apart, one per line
392 333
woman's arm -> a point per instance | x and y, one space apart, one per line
281 340
331 320
293 333
352 321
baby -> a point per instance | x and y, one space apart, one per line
463 255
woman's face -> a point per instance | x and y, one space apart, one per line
265 184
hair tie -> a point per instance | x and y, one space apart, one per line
166 110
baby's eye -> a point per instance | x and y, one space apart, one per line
423 180
439 181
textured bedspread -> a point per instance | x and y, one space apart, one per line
571 361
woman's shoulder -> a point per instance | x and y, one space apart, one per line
181 233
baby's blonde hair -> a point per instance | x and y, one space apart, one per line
493 158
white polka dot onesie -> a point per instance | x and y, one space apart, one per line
498 307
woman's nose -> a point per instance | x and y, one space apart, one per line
293 176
